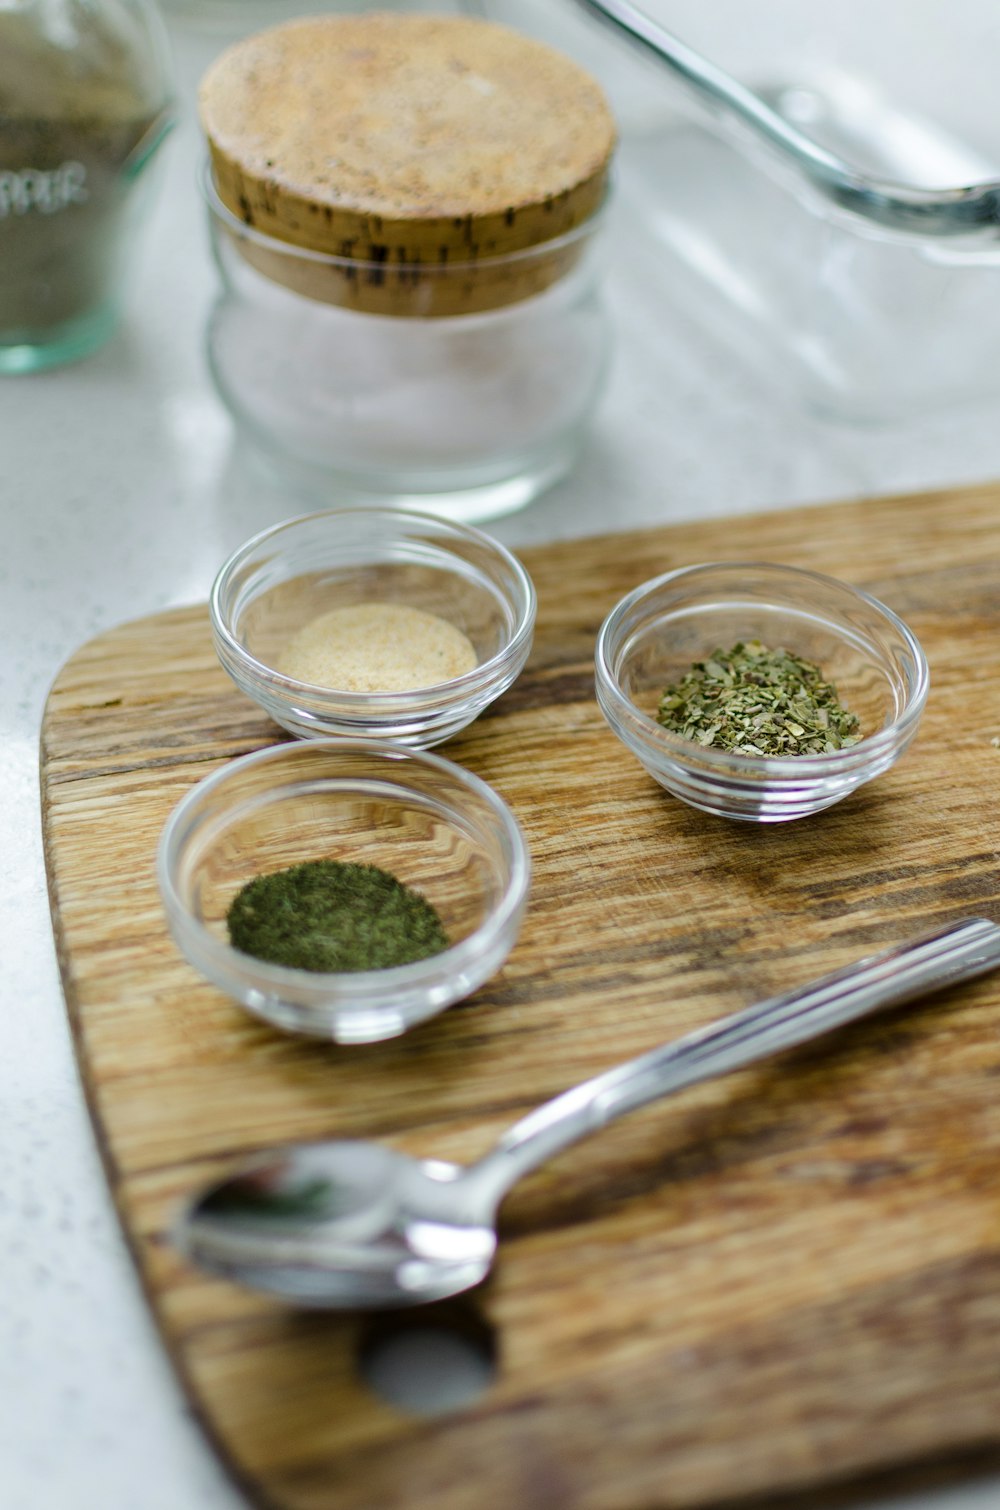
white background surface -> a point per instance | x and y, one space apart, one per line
122 492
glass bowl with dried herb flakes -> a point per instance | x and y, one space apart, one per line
344 889
759 691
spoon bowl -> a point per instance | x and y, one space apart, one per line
342 1220
351 1225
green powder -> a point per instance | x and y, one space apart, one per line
327 916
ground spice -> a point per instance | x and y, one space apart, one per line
326 915
750 700
377 647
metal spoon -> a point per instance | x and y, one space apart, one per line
963 211
351 1224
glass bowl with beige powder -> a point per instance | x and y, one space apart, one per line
373 622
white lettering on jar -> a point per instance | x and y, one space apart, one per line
43 190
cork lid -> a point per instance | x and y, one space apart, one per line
405 138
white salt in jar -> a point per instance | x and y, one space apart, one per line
403 211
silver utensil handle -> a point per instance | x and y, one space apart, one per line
957 953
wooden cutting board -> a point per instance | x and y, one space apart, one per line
784 1281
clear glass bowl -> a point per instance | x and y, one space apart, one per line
433 825
654 635
283 578
857 322
861 324
405 397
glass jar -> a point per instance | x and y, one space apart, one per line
471 415
84 104
406 312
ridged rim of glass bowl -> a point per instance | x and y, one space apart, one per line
539 249
365 987
776 770
500 668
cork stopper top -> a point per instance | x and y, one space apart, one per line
377 132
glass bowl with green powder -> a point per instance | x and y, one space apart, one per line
373 622
344 889
759 691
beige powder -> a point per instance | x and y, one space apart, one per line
377 647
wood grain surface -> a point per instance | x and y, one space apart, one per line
782 1282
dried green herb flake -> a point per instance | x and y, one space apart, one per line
750 700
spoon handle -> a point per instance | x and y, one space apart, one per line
956 953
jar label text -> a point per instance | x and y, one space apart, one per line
44 190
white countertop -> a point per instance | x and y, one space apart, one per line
123 492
